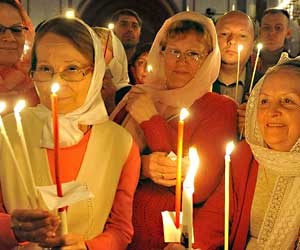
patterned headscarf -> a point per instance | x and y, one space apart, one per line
282 219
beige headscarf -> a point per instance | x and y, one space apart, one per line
282 219
204 78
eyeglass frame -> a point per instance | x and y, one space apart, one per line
84 70
185 55
3 29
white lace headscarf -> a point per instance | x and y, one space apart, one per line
282 220
204 77
92 110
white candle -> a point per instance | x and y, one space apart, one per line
17 109
12 153
240 48
259 47
187 200
229 149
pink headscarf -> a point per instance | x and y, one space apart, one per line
204 78
14 81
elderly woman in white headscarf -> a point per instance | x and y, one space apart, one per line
265 181
94 151
185 61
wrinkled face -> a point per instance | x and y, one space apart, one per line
232 30
273 31
128 31
11 43
279 109
58 54
140 68
183 56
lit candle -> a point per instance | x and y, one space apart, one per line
70 13
12 153
229 149
187 200
183 114
54 106
111 26
17 109
259 47
149 68
240 48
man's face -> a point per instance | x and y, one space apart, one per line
128 31
235 29
274 30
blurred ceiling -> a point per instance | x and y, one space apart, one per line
152 12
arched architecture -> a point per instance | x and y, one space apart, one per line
152 12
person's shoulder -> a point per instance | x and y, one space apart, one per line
215 99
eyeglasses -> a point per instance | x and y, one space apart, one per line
15 29
71 73
192 57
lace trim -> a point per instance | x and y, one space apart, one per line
274 209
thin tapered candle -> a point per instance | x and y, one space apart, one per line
55 87
229 149
259 47
183 114
106 43
12 153
17 109
240 48
187 199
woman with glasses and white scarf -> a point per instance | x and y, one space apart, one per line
94 151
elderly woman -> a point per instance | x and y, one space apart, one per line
185 58
94 151
264 203
15 28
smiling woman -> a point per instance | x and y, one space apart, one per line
15 28
264 209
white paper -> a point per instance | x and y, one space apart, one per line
171 233
73 192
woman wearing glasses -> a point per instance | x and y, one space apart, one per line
185 59
15 29
94 151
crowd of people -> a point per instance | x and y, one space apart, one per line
118 110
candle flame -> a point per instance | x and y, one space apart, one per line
194 164
2 106
184 113
111 26
240 48
20 106
70 13
229 148
55 87
259 46
149 68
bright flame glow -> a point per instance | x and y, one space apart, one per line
184 113
55 87
20 106
194 164
149 68
70 13
111 26
2 106
240 48
259 46
283 4
233 7
229 147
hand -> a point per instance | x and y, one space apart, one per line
161 169
140 105
241 117
66 242
108 93
33 225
